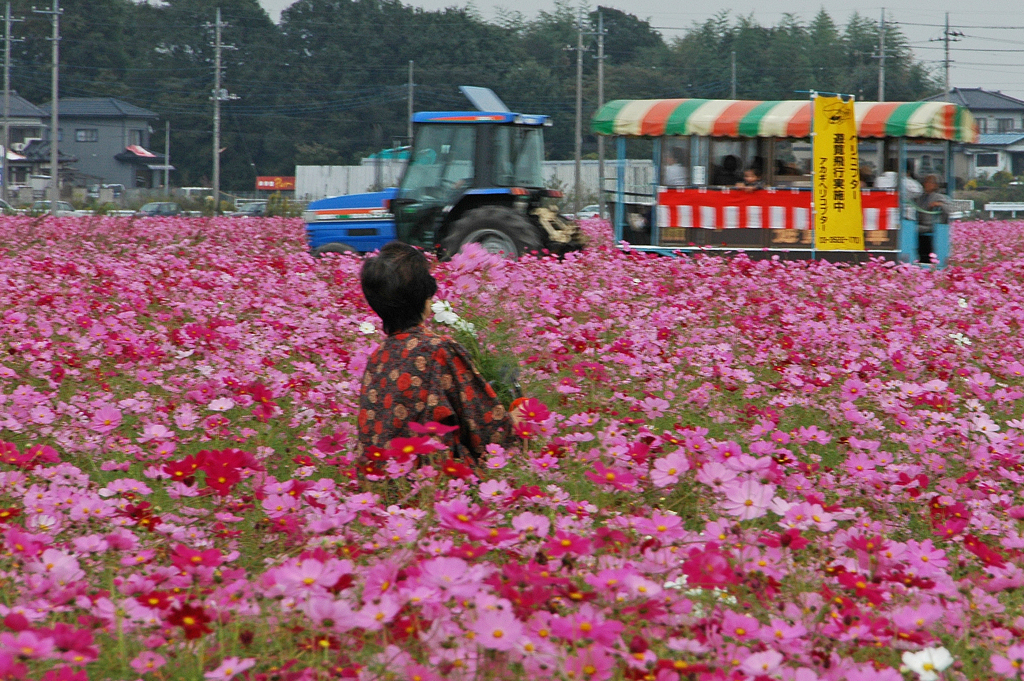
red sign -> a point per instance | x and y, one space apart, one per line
762 208
275 183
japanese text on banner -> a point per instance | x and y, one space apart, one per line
838 220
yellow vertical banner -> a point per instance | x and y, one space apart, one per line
838 218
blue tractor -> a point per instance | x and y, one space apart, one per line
472 177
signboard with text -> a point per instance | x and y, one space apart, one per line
838 220
275 183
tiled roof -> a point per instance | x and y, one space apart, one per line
1000 138
38 151
99 107
976 99
22 108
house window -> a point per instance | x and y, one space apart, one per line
135 137
1004 124
987 160
982 126
87 135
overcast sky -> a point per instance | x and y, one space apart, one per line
990 58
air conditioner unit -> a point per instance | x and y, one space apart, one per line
20 146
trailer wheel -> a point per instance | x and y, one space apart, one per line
333 247
497 229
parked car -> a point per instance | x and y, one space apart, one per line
64 209
252 209
159 208
6 208
588 212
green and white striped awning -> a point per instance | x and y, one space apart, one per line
745 118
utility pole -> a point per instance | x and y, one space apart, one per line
217 47
732 90
411 90
577 205
881 57
948 36
167 158
5 178
54 105
600 103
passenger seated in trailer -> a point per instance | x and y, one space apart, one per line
887 180
751 179
727 175
677 174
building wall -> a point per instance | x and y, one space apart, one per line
95 142
988 121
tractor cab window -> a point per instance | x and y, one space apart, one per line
441 165
518 156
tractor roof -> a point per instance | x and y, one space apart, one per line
480 117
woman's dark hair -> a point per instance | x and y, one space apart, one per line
397 284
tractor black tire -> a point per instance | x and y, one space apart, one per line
333 247
497 229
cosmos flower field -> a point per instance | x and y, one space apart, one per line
728 469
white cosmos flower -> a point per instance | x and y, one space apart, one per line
221 404
927 663
367 328
962 302
443 312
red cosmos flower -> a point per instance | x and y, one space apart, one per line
617 478
563 543
454 469
331 443
193 620
791 538
222 479
612 540
41 454
9 453
533 410
184 470
862 586
161 600
76 644
183 557
708 568
431 428
989 556
875 544
65 674
8 514
950 528
402 449
142 514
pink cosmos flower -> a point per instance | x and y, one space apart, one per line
531 523
747 500
147 661
27 644
716 475
666 470
590 664
497 629
229 668
1010 665
105 419
762 664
